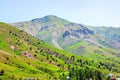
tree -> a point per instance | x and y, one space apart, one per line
108 78
35 55
2 72
82 74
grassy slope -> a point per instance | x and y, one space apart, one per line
47 62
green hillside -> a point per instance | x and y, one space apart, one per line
22 56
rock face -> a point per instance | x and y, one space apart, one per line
79 32
12 47
27 54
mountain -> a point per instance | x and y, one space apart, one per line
23 56
111 34
75 38
57 31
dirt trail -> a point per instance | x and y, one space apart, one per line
4 52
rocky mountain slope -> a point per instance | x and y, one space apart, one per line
111 34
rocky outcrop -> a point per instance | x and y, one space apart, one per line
78 33
27 54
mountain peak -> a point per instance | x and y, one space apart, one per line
48 17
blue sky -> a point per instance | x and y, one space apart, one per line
89 12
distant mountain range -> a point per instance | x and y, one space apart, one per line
72 37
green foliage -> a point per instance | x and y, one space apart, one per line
86 73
